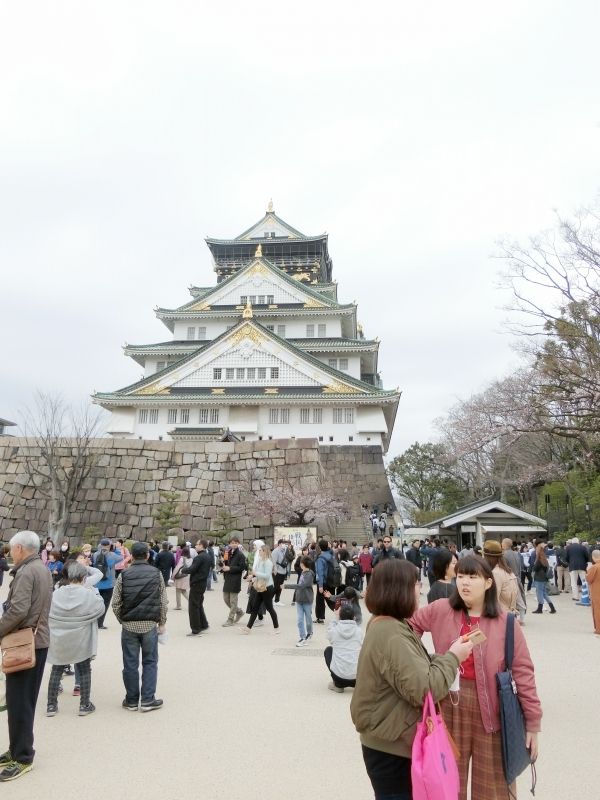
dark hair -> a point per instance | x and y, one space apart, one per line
497 561
441 561
346 611
203 542
54 553
350 593
324 544
234 539
391 591
306 561
475 565
185 551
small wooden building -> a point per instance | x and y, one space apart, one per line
488 519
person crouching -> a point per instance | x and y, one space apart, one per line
341 656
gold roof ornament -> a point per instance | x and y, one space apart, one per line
247 312
270 206
258 253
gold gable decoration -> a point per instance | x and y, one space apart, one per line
153 389
301 276
258 253
247 331
199 307
312 303
257 269
340 388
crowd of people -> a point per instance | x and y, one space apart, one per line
386 664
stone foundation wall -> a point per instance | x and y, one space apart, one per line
122 491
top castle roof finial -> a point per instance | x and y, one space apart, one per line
247 312
270 206
258 251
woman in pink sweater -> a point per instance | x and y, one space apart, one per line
472 714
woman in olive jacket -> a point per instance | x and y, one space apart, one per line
394 675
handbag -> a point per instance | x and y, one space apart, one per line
433 768
260 585
515 755
18 651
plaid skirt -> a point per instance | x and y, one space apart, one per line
483 750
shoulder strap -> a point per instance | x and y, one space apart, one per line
509 642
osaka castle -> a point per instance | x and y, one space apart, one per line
268 352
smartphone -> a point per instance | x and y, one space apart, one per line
476 636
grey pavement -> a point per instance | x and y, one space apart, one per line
251 717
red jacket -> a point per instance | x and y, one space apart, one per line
444 623
366 563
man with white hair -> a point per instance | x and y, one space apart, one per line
27 606
577 560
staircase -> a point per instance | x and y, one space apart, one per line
356 529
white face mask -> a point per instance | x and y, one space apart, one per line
64 547
48 547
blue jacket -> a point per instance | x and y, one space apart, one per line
111 560
322 567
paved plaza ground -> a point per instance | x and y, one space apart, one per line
251 717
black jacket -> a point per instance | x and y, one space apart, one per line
414 556
140 593
199 569
577 557
384 554
232 580
165 561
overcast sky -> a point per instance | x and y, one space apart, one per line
415 134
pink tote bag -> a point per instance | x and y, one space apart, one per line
433 770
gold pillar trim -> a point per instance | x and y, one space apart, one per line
271 391
217 391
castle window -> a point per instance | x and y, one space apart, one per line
317 416
191 332
281 331
305 415
322 331
240 373
343 364
279 416
251 373
243 299
262 373
160 365
143 416
271 299
332 362
184 416
172 416
261 299
202 333
153 416
217 373
229 372
310 331
271 328
274 373
214 415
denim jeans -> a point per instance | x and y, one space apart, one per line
541 590
131 644
304 619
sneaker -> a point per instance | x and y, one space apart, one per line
76 691
14 770
276 631
308 637
301 643
333 688
239 614
319 621
198 633
5 759
51 711
87 709
130 706
279 603
153 705
244 631
228 624
258 623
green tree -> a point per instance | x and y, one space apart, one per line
166 514
422 479
223 525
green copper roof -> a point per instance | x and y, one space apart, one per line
340 377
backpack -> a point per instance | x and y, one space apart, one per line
102 564
382 525
334 573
